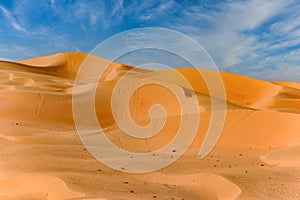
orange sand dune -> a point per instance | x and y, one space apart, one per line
35 188
289 84
287 156
254 158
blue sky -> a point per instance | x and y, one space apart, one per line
257 38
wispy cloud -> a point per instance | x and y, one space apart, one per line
52 2
17 52
243 36
227 32
156 10
117 8
249 37
92 12
13 22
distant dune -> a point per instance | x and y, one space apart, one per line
256 156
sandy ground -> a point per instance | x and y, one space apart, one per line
42 156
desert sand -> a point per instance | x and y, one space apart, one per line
42 156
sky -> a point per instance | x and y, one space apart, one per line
256 38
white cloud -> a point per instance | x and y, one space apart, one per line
17 52
52 2
117 8
224 34
5 59
248 15
155 11
232 32
243 36
13 22
248 37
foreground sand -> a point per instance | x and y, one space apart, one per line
42 156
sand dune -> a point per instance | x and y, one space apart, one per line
35 187
42 156
284 157
202 186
